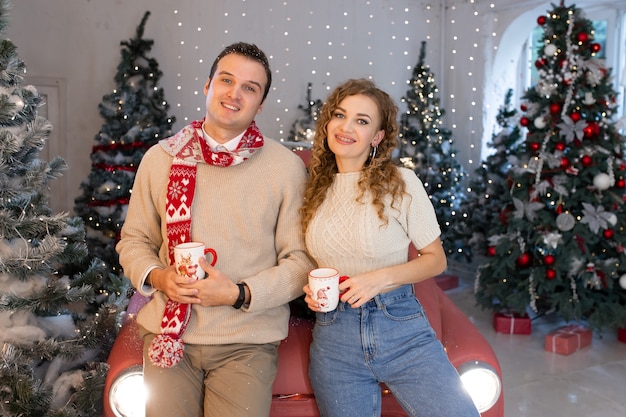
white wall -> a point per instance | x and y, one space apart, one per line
74 46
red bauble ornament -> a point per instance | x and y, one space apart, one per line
591 130
491 251
534 146
608 234
523 107
548 259
555 108
620 183
524 121
559 146
541 62
559 209
565 163
586 161
595 47
596 128
575 117
541 20
582 37
523 260
550 273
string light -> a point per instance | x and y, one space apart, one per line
375 40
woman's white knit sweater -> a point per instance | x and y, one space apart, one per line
347 235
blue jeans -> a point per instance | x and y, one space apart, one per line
390 340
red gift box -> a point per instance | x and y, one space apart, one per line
621 334
447 282
512 323
568 339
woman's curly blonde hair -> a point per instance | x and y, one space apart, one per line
380 174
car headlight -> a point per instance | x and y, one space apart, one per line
127 395
482 382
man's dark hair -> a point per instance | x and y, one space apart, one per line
250 51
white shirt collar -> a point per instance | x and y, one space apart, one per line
215 146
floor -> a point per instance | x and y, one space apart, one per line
589 383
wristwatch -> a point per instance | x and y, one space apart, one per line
242 296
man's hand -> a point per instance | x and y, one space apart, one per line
175 286
216 288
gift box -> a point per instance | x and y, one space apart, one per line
568 339
447 282
621 334
511 323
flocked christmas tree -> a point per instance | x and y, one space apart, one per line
55 330
478 215
427 147
563 247
136 118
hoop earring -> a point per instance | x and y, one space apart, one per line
373 152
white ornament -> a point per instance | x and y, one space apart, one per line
549 49
589 100
565 222
539 123
622 281
602 181
611 218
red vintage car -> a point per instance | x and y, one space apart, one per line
467 349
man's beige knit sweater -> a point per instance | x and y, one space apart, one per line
248 213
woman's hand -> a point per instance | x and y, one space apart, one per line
308 299
359 289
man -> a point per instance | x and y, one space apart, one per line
210 346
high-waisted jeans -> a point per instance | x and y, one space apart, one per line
390 340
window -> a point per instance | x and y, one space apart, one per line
535 42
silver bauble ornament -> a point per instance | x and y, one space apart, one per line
565 222
549 49
622 281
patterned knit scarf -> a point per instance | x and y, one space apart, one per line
188 149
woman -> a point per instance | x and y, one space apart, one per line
360 214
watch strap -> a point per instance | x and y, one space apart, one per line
242 296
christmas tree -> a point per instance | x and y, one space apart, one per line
55 331
136 118
562 249
303 129
489 185
427 147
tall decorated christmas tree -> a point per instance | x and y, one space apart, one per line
563 246
427 147
136 117
478 215
55 330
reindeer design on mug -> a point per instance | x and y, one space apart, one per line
187 267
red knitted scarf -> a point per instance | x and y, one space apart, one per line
188 149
